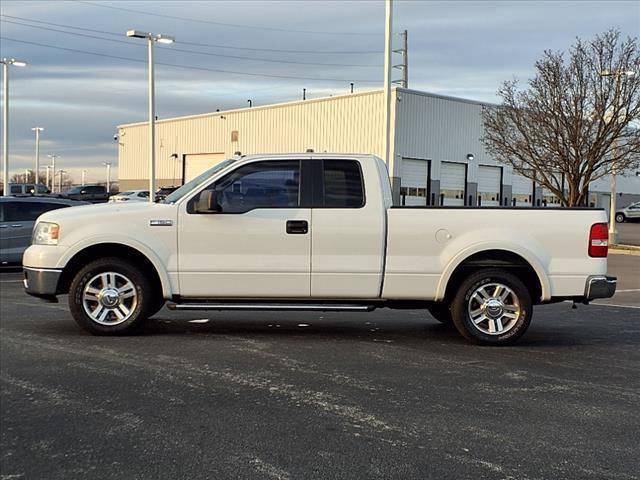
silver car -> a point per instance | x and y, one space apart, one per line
17 218
630 213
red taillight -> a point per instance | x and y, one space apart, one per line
599 240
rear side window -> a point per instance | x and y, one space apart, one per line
16 188
28 211
343 186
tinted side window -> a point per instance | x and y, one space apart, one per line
96 189
342 184
260 185
16 189
27 211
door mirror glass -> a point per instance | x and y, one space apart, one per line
208 202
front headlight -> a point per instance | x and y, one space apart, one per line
46 233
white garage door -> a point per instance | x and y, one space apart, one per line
197 163
414 176
489 185
453 177
522 190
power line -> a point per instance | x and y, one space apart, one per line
193 52
210 45
211 22
190 67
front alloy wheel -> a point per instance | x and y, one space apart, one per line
110 296
620 218
492 307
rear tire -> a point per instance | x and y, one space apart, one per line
620 218
492 307
110 297
441 311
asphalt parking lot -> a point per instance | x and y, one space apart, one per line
391 394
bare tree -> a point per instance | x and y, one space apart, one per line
577 121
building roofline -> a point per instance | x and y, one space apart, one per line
313 100
260 107
445 97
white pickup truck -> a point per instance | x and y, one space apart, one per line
315 232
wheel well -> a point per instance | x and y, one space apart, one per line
102 250
510 261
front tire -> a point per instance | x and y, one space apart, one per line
110 297
492 307
620 218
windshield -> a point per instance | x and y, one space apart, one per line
191 184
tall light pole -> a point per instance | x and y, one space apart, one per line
37 130
84 172
613 229
108 165
47 177
6 62
62 172
53 171
151 38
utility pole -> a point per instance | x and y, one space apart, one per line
404 66
46 182
351 87
84 172
37 174
387 82
108 165
53 171
6 62
304 94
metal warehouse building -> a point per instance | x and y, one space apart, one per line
437 157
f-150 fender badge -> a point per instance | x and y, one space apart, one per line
160 223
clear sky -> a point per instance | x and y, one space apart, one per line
459 48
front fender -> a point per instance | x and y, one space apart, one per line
168 288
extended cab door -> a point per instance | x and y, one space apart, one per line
259 245
348 234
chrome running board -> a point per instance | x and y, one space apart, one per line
329 307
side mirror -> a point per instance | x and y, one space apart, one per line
208 202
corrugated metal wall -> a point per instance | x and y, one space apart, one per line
346 123
440 129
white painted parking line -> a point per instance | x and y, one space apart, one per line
10 281
614 305
628 290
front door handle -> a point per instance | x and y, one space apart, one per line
297 227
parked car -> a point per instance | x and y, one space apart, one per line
163 192
316 232
17 217
628 214
28 189
88 193
130 196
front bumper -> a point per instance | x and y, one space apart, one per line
42 282
600 286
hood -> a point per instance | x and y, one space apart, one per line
115 211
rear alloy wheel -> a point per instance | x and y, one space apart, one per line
492 307
620 218
110 297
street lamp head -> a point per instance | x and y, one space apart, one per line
137 34
159 38
164 39
14 61
470 157
37 129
